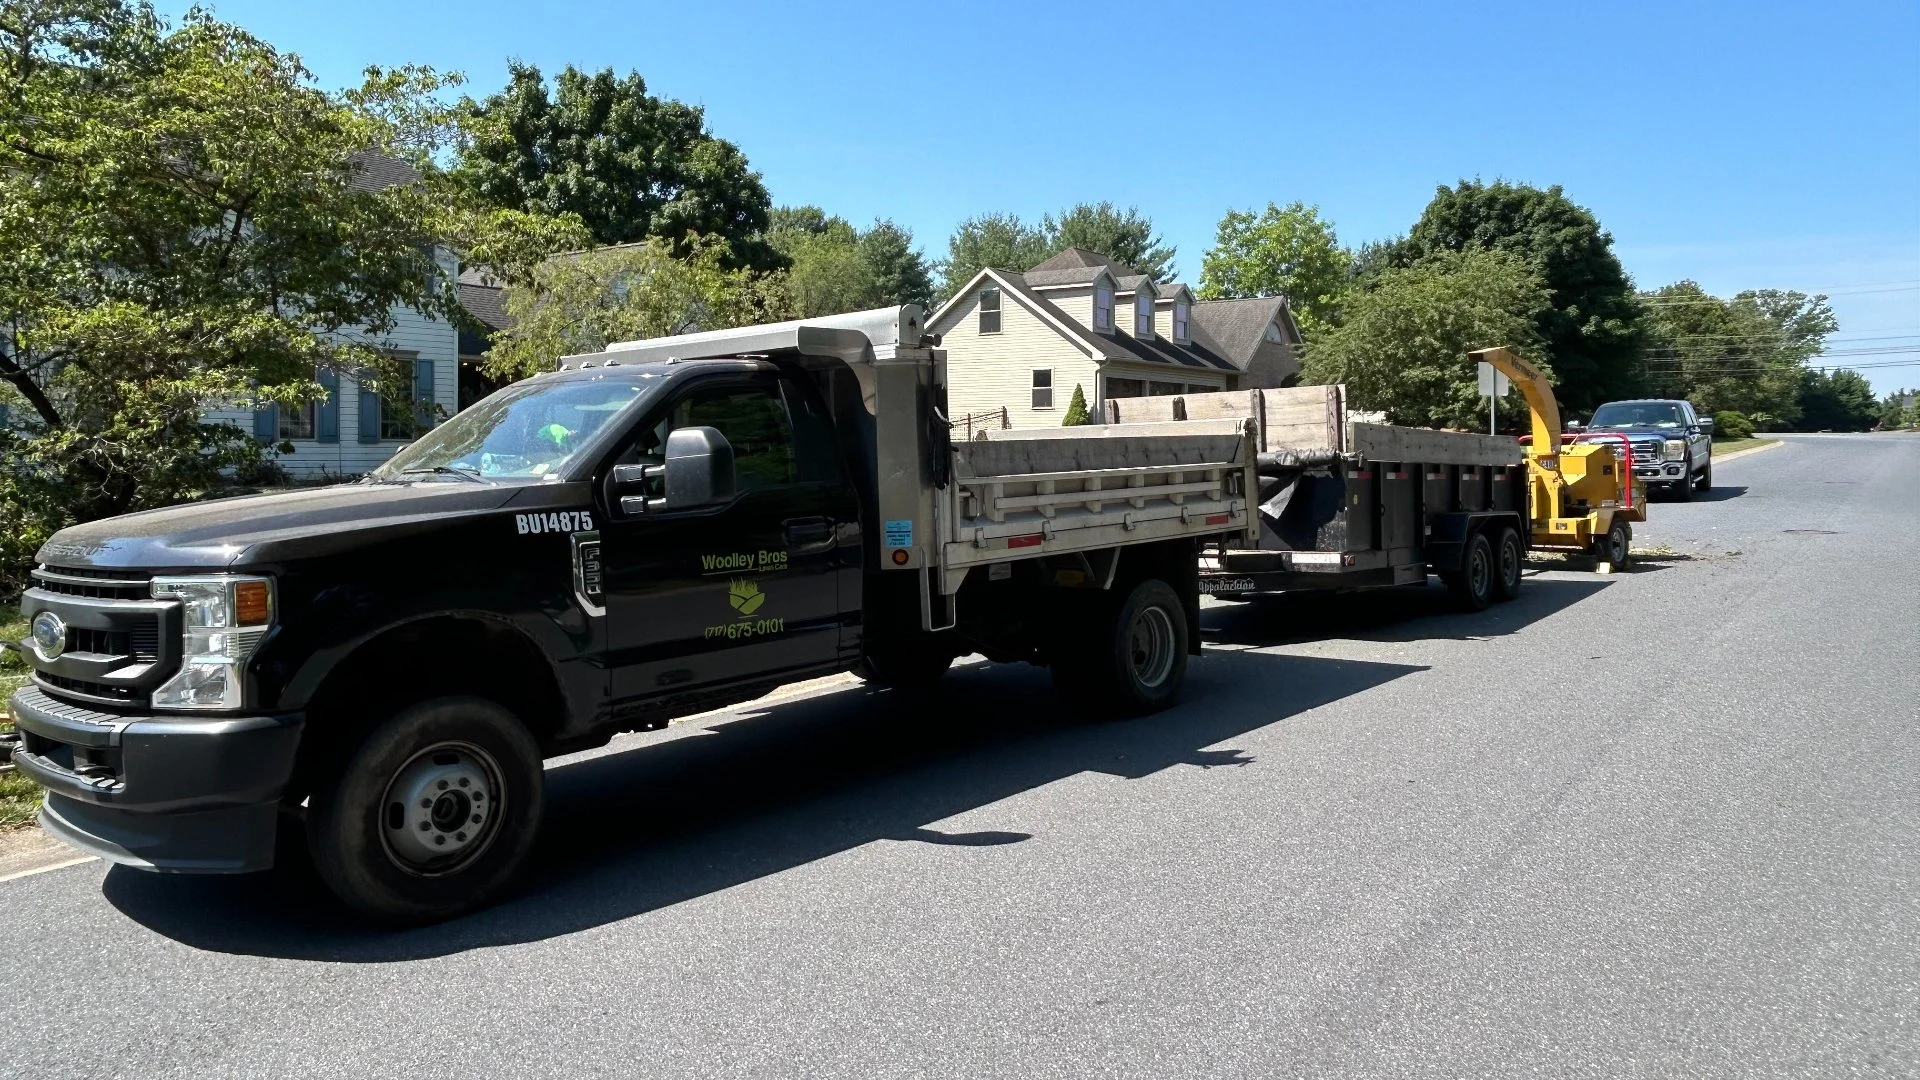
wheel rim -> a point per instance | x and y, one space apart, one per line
1616 546
1478 571
1150 647
442 809
1510 562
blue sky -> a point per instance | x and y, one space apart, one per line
1742 145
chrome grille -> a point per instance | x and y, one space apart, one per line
90 582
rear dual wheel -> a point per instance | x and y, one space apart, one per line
1132 660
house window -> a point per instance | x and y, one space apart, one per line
1180 321
1119 388
989 311
297 423
1103 308
397 419
1165 389
1273 334
1143 314
1043 388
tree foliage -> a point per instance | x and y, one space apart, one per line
584 302
181 226
1746 354
1401 347
1004 242
1123 235
1840 400
629 164
1286 251
834 267
1077 413
1589 323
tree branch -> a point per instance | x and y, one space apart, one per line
42 404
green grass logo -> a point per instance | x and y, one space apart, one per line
745 596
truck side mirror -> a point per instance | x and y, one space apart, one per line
1706 424
698 472
699 468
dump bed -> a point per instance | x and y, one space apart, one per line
1025 492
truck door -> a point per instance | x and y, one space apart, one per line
701 599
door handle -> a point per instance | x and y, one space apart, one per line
808 533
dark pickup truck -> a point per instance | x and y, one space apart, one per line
378 669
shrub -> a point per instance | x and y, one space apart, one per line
1076 409
1728 424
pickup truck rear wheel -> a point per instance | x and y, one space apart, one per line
1133 659
1472 585
432 815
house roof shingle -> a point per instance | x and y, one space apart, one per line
374 170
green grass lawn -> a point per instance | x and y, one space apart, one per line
1728 446
19 796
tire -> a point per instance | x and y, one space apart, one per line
1133 657
1616 547
915 665
475 773
1706 478
1509 559
1683 491
1472 585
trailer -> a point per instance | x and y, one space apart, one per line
1342 503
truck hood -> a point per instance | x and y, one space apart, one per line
283 525
1637 431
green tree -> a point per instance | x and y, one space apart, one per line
629 164
1590 323
1401 347
183 224
835 268
1841 400
1077 409
1744 354
1283 251
1000 241
1123 235
583 302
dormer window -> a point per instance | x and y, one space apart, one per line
1143 314
1180 321
1103 308
990 311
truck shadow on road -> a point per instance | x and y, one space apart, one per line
1408 613
665 818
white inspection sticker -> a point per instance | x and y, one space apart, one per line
1316 558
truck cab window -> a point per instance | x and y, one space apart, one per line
755 424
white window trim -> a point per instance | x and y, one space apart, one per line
1143 306
1182 326
1033 386
1102 325
999 310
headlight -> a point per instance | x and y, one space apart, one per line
1676 449
224 619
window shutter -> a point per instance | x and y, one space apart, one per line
423 392
266 423
326 423
369 416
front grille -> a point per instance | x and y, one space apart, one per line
90 582
84 688
1646 453
144 641
82 640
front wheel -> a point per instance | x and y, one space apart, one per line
432 815
1133 660
1683 491
1706 478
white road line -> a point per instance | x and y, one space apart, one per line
75 861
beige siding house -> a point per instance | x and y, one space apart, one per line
1018 344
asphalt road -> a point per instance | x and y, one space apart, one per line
1662 823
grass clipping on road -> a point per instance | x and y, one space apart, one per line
19 796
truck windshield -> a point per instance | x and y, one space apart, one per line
528 431
1654 414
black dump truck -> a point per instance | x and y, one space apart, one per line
377 669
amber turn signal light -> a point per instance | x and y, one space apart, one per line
251 604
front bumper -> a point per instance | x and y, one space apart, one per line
1672 472
173 793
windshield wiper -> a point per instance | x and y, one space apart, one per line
448 470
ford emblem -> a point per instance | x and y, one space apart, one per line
49 635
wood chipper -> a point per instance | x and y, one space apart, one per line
1582 495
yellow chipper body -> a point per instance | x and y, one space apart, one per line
1582 496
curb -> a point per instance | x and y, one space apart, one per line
1737 454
